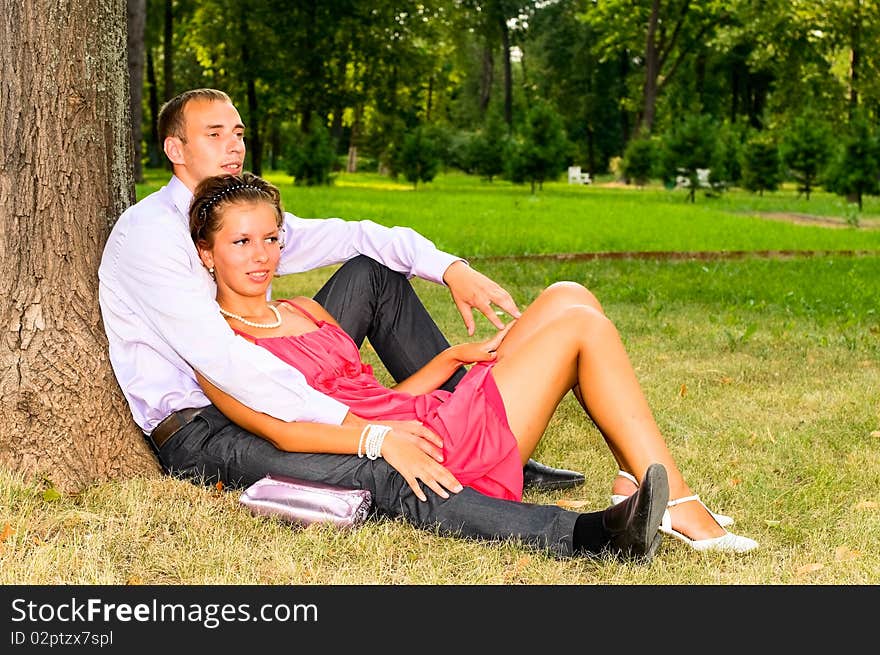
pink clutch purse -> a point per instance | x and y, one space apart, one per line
303 502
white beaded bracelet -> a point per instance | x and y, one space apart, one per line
361 441
375 436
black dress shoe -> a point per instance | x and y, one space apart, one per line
540 476
634 523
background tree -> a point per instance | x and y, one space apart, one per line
543 148
855 171
638 161
689 146
487 148
419 160
64 92
310 157
761 167
804 150
136 16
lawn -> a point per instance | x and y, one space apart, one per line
763 373
473 218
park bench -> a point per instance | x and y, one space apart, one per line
683 182
576 177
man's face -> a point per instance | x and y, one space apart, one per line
214 142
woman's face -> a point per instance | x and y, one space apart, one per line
245 250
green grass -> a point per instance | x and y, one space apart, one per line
763 374
473 218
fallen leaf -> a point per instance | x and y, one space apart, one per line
219 485
866 504
7 532
51 494
734 481
683 391
876 434
726 380
810 568
572 504
844 554
134 580
771 522
522 563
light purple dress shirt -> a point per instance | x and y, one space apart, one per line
162 320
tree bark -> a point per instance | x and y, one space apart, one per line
154 152
168 50
486 77
65 177
137 19
508 72
652 71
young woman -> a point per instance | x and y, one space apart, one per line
481 434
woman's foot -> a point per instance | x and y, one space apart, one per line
688 519
687 522
625 485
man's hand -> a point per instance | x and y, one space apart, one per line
472 290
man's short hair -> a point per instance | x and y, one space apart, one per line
171 121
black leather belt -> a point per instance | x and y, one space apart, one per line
172 423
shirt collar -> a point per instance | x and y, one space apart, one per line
181 196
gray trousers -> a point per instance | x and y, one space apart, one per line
371 301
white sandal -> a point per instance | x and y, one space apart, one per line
722 519
728 542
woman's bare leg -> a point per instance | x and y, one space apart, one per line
560 343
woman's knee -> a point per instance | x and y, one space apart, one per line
572 293
584 320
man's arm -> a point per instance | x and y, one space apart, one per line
168 290
312 243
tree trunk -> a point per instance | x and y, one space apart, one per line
64 93
168 50
155 156
508 73
255 140
652 71
855 60
486 77
137 18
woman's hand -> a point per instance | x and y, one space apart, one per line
480 351
406 452
426 440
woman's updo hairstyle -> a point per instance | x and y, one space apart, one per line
212 194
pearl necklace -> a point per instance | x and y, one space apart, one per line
274 324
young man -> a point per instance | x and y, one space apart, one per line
157 303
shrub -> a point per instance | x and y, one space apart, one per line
543 148
419 159
855 170
761 169
805 149
687 147
311 156
638 161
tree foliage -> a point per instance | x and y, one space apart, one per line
688 147
542 151
761 166
612 70
855 171
419 157
804 150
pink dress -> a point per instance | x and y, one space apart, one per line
478 447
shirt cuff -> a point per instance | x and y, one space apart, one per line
433 266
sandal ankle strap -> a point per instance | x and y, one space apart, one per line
684 499
628 476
